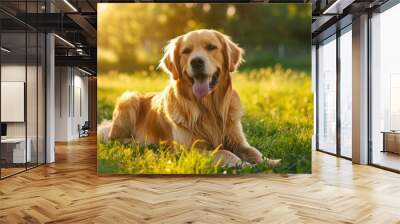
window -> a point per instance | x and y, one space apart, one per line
346 93
385 88
327 96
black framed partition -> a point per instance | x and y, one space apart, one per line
345 92
333 87
326 92
23 89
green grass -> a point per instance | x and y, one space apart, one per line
278 118
136 158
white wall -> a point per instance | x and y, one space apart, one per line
33 127
61 103
71 94
80 115
12 73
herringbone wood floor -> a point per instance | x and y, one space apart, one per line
70 191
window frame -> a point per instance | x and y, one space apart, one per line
381 9
339 32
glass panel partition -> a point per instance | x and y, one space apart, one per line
346 93
22 77
14 153
327 95
385 89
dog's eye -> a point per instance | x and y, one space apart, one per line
186 51
211 47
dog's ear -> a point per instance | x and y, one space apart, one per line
170 61
233 54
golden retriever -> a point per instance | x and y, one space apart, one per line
198 104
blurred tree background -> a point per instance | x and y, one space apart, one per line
131 36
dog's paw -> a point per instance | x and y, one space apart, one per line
273 162
257 158
246 164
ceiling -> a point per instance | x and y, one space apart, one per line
331 15
75 21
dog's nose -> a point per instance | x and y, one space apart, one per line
197 63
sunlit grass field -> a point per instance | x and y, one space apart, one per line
278 120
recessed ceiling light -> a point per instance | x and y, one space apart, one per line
5 50
84 71
65 41
337 7
70 5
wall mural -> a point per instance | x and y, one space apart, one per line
204 88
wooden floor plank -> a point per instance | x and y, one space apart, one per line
70 191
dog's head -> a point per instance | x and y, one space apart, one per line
202 59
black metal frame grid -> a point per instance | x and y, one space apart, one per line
389 4
44 76
339 32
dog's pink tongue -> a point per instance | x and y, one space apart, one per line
201 88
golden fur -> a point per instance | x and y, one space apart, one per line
176 114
